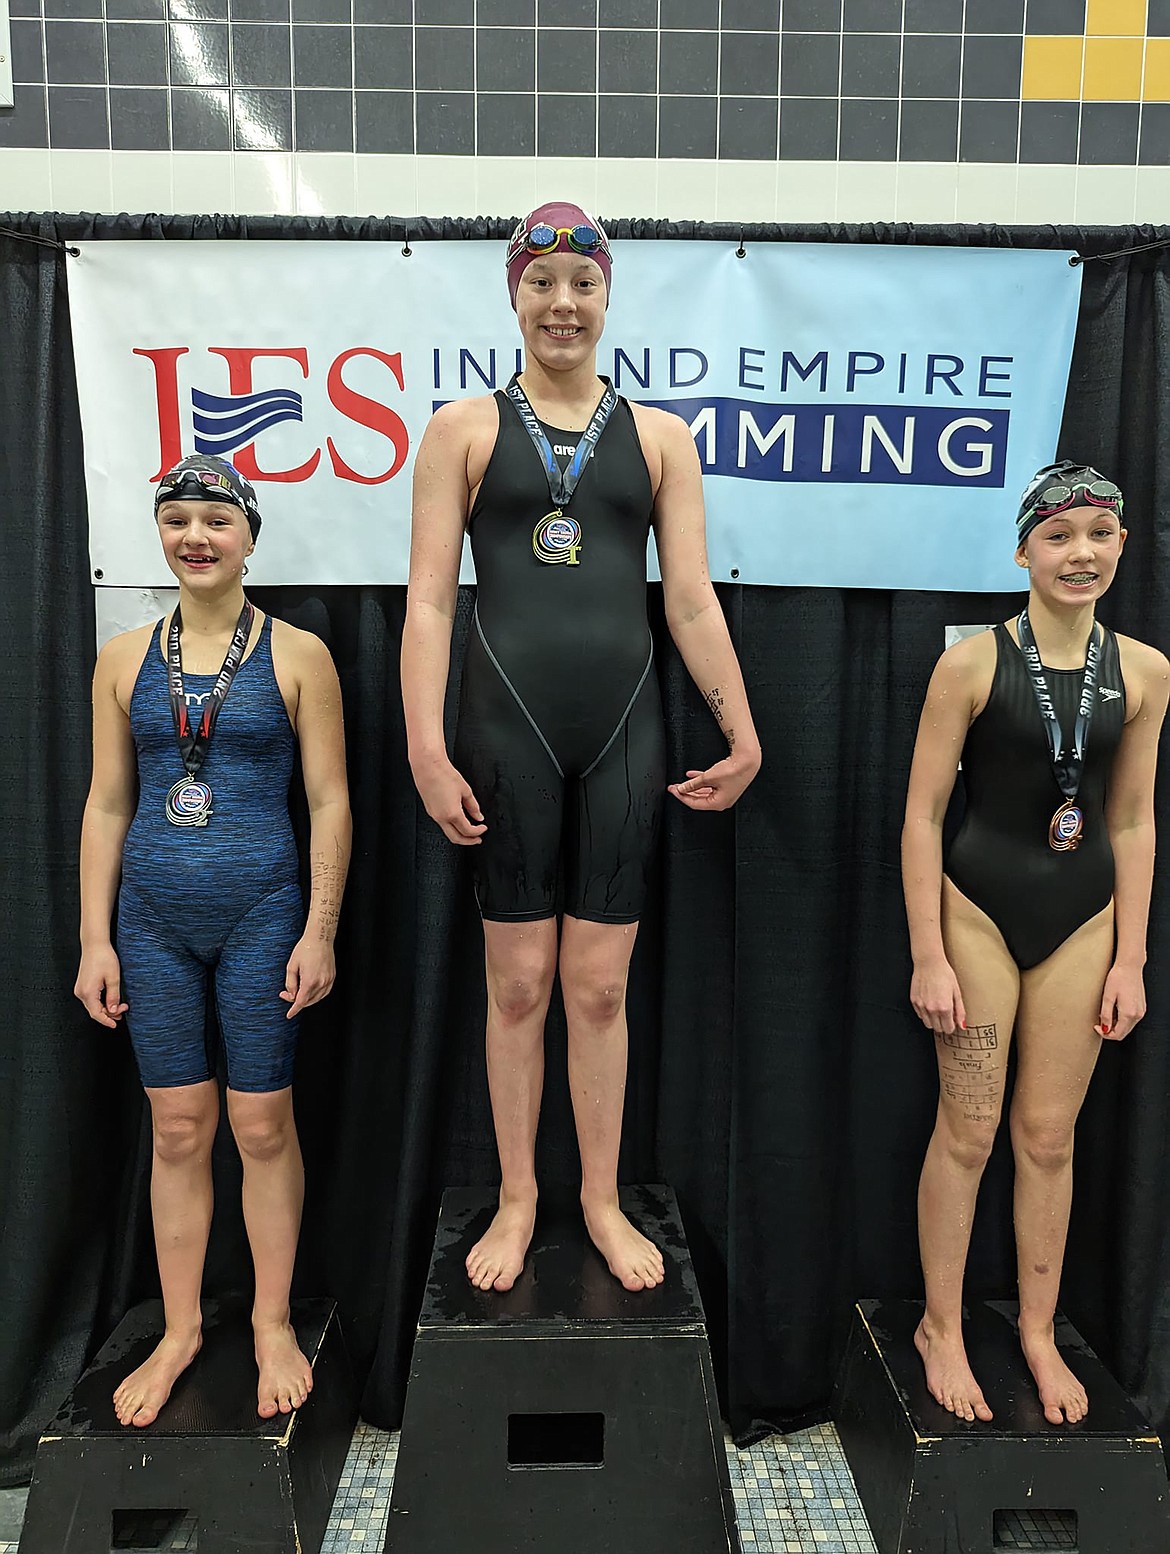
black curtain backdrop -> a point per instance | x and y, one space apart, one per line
778 1078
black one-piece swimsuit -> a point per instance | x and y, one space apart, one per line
1000 858
560 722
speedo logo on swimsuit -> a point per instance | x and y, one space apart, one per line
1107 695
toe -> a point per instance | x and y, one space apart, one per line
143 1416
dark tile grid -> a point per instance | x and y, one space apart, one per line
870 80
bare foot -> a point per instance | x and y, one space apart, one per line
495 1261
1061 1394
286 1377
138 1400
632 1259
949 1378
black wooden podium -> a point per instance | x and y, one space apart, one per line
934 1484
235 1481
568 1415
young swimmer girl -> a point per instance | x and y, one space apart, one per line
1035 922
201 714
559 766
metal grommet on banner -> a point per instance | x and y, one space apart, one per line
741 251
407 251
734 573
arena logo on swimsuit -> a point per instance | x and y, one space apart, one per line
229 423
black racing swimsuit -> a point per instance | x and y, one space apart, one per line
1000 858
560 723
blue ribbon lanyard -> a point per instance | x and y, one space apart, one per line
562 483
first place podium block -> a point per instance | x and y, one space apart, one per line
934 1484
234 1481
568 1415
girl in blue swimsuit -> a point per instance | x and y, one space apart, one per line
1035 922
196 722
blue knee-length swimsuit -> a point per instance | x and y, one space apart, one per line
218 905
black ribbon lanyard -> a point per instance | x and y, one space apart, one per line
562 483
193 744
1067 762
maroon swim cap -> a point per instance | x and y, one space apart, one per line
556 228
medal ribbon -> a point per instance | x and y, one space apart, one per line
562 484
193 744
1067 763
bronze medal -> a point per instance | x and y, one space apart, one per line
1066 828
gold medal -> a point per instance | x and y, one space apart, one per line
556 539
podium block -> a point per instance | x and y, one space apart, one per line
934 1484
233 1480
567 1415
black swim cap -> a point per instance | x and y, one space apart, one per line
1059 486
202 477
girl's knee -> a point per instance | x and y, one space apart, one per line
967 1142
519 985
1045 1142
181 1133
263 1130
593 998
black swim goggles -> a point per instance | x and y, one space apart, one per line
543 238
1055 499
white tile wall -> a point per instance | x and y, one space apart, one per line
687 191
1045 193
307 183
806 191
264 183
1106 195
142 181
203 182
986 192
81 180
868 191
745 191
927 191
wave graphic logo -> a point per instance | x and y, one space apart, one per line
225 422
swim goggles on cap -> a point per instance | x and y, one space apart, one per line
210 477
1055 499
543 239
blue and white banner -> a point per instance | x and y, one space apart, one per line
865 416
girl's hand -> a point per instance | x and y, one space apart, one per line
99 985
310 974
720 785
1123 1002
450 803
938 1003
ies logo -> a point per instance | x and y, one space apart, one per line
228 424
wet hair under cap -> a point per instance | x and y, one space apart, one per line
184 483
557 214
